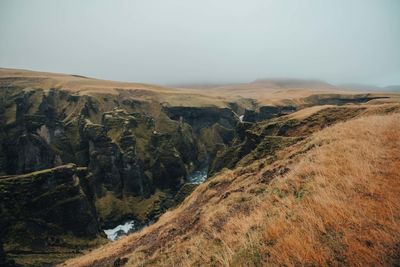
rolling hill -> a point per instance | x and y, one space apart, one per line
273 172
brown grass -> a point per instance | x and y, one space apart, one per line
330 200
265 93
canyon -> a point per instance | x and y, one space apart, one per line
79 155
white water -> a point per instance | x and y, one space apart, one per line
121 229
198 177
241 118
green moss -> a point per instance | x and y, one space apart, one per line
35 99
93 130
72 132
37 208
111 208
46 171
10 114
165 125
67 247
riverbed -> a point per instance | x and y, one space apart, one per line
131 226
122 229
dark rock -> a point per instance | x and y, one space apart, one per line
4 261
39 208
337 99
202 117
120 262
126 148
267 112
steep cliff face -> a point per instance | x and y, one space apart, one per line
256 140
287 202
136 156
214 128
48 212
200 118
261 113
267 112
135 150
96 157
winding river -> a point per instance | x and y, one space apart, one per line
130 226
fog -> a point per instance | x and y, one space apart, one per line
208 41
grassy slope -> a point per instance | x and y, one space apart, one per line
331 199
239 216
267 92
95 87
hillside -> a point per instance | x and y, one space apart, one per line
235 134
262 92
330 199
81 158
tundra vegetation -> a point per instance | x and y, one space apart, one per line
298 173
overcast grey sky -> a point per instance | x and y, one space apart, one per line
188 41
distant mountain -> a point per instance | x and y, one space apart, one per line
392 88
367 87
274 83
360 87
79 156
293 83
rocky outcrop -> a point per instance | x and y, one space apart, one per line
4 260
47 211
74 163
267 112
256 140
338 99
200 118
214 128
132 149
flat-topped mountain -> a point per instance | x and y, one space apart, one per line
263 91
293 83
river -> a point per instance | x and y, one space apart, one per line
130 226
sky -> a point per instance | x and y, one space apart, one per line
205 41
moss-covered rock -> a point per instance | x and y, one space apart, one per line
267 112
48 211
135 154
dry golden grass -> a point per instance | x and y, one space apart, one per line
264 92
75 83
89 86
306 112
330 200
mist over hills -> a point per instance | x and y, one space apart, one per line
371 88
199 133
295 83
81 158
